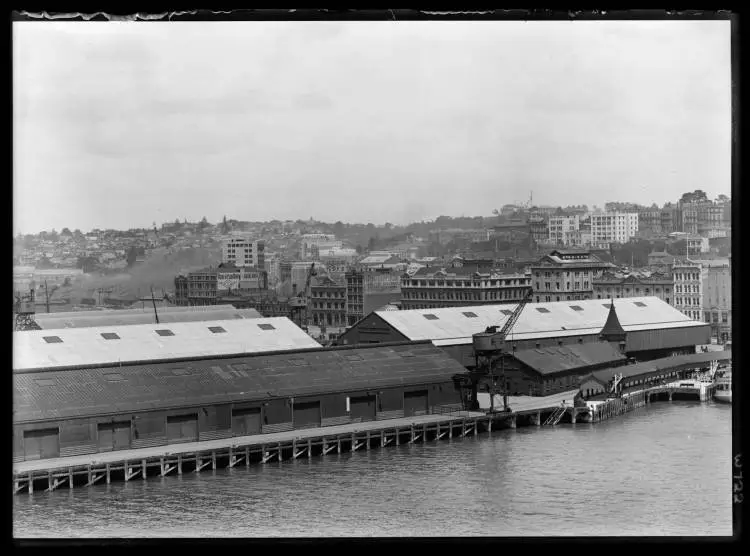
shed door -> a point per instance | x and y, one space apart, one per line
113 436
182 428
41 444
306 415
415 403
362 408
246 421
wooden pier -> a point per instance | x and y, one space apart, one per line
195 457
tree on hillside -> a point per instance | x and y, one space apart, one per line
203 224
359 249
696 196
338 228
224 225
66 232
722 199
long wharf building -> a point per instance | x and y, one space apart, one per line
654 328
121 317
457 287
74 394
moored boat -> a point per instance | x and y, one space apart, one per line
723 388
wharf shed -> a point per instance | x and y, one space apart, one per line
114 345
654 328
649 372
73 411
93 319
549 370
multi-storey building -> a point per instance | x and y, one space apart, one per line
580 238
240 280
716 276
538 228
322 242
354 296
243 251
273 269
649 222
565 275
689 218
613 227
611 286
562 228
327 303
452 287
197 288
670 219
688 288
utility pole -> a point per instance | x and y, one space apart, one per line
156 314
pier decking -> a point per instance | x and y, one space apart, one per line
87 470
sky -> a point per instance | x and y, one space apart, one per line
120 124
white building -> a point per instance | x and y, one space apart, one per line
243 251
612 227
688 288
562 229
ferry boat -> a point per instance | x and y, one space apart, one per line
723 388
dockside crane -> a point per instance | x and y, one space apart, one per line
489 347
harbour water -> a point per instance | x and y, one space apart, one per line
664 469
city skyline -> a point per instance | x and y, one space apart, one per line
120 125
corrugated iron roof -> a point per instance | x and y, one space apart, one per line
550 360
142 342
82 392
559 320
90 319
665 363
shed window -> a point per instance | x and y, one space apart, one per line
506 312
298 362
113 377
266 327
164 332
576 307
180 372
53 339
216 329
353 357
110 336
469 314
542 310
639 304
45 381
430 316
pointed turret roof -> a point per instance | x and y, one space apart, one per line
613 330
